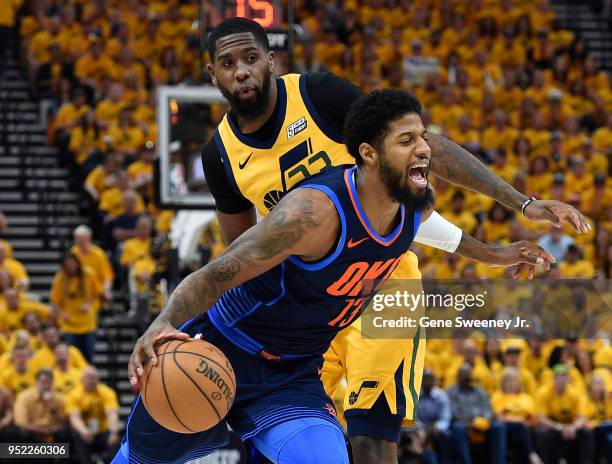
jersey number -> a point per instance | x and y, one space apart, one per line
297 164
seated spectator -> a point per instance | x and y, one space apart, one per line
8 433
75 296
32 325
70 113
123 227
107 111
574 266
139 246
17 306
39 412
458 215
512 358
127 136
433 412
86 142
14 268
472 415
141 171
481 376
105 176
93 66
94 416
578 179
95 257
597 410
516 409
18 376
18 339
65 376
111 201
559 432
45 357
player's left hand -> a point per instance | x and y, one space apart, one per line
557 212
523 255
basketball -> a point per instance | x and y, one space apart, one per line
192 387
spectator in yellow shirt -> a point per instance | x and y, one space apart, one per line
65 377
127 136
94 416
457 214
141 171
17 307
595 162
574 266
560 419
138 247
500 134
8 433
95 257
45 357
94 65
602 137
111 201
75 297
85 138
39 411
516 409
597 409
104 177
18 376
540 178
18 273
70 113
107 111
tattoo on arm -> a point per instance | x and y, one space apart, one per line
251 254
458 166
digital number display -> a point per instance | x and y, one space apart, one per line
266 13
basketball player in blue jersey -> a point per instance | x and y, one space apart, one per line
269 302
282 130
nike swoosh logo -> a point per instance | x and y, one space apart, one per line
352 244
319 370
242 165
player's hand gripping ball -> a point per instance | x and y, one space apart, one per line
191 388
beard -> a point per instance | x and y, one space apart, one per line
249 109
399 190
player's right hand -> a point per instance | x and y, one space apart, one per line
158 332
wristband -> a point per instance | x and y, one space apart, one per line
526 203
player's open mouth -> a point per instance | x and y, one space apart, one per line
246 91
418 173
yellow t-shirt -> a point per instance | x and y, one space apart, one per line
15 381
97 260
65 382
15 269
578 185
140 171
111 202
464 220
8 247
97 180
12 319
602 139
133 250
8 8
68 294
86 67
596 411
45 359
92 405
144 265
68 114
581 269
108 111
517 407
560 408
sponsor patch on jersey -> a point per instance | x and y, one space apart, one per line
296 127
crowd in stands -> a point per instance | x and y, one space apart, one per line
502 78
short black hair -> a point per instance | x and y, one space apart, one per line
237 25
368 118
44 372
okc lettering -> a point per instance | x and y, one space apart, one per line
351 284
213 375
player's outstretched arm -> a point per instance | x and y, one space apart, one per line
523 254
304 223
438 232
458 166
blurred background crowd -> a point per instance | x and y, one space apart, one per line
503 78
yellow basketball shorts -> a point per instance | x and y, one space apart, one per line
383 376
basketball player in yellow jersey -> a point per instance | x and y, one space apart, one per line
280 131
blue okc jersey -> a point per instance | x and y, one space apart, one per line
295 309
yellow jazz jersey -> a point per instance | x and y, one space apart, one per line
264 171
